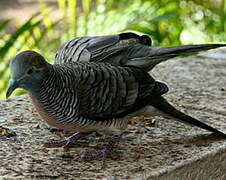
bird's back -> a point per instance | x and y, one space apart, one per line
123 49
114 49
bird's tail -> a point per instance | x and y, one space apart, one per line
163 105
155 55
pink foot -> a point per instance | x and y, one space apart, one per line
104 152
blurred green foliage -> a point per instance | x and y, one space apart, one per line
167 22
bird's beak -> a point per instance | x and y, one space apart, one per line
13 84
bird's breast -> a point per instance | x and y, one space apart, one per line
55 122
43 113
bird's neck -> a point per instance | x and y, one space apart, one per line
48 76
54 78
57 98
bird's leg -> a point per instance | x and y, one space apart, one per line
70 141
105 151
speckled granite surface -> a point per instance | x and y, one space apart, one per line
167 150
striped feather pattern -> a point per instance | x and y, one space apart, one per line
123 49
94 95
97 49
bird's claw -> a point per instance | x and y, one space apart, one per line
63 143
95 155
102 153
73 140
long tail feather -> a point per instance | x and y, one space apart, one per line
163 105
159 54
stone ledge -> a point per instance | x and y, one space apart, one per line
168 150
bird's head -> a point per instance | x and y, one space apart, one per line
27 71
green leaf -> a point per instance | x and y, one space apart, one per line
26 26
4 23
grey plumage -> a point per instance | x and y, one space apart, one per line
86 96
123 49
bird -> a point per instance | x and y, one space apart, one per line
87 97
123 49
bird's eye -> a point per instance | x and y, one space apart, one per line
30 71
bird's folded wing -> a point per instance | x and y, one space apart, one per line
107 91
110 48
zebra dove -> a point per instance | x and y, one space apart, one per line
86 97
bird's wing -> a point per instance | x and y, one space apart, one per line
113 48
107 91
123 49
